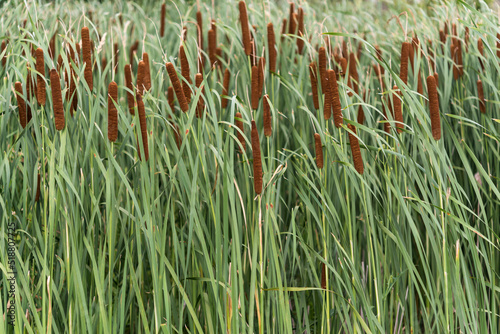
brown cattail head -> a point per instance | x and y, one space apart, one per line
283 29
86 57
345 52
434 107
185 71
239 123
293 24
142 122
319 150
201 103
271 42
20 103
387 125
52 46
355 150
267 117
253 56
40 67
398 114
480 95
199 20
322 67
177 87
225 87
314 84
454 57
361 112
480 47
244 27
141 69
72 92
2 48
162 22
337 109
262 73
300 41
343 66
405 52
323 276
57 102
147 71
128 84
171 97
327 106
353 72
211 46
37 196
255 88
257 162
466 38
112 112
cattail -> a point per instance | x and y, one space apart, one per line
379 56
355 150
162 22
387 125
133 49
314 84
434 107
239 124
361 112
337 109
20 103
322 67
142 122
327 106
271 42
436 77
86 57
225 87
211 46
184 33
72 92
201 103
40 67
112 112
283 29
319 150
420 88
253 56
292 24
480 94
398 115
57 99
343 66
267 117
177 87
29 85
185 71
446 29
141 69
353 72
37 196
262 73
403 72
300 41
323 276
2 49
244 27
199 20
480 47
147 71
466 38
498 45
128 84
345 52
454 57
170 97
257 162
255 88
442 38
52 46
213 26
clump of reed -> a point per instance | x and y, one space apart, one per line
112 112
86 57
319 150
40 82
57 102
257 162
177 87
244 27
434 107
355 150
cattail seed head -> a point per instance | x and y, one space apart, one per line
343 66
314 84
177 87
292 19
57 102
319 150
162 22
112 112
86 57
300 41
480 95
398 115
337 109
405 52
271 42
142 122
201 102
244 27
267 117
225 87
323 276
40 67
498 45
379 56
239 123
133 50
434 107
257 162
128 84
29 84
185 71
480 47
37 196
322 67
454 57
171 97
211 46
147 71
20 103
327 106
355 150
141 70
52 46
262 74
199 21
255 88
459 57
361 112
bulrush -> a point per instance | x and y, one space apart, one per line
442 37
314 84
128 84
434 107
271 42
257 162
141 69
322 67
20 103
40 82
171 97
244 27
144 130
37 195
327 106
255 88
403 71
201 103
323 276
398 114
162 22
343 66
283 29
480 47
292 23
147 71
225 87
454 57
337 109
353 72
262 74
86 57
212 46
57 102
480 95
355 150
185 71
177 87
267 117
319 150
300 41
72 92
239 124
112 112
199 21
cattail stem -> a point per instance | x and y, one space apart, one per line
20 103
244 27
271 42
355 150
142 122
177 87
403 71
267 117
86 57
257 162
434 107
314 84
128 84
57 100
112 112
319 150
239 124
186 73
225 87
40 67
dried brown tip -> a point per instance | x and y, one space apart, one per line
239 123
20 103
480 95
271 42
177 87
57 100
211 47
37 196
225 87
337 109
405 52
267 117
147 71
201 103
171 97
141 69
86 57
162 22
353 72
322 67
255 88
112 112
434 107
128 84
398 114
262 73
319 150
314 84
300 41
40 67
199 20
142 122
355 150
257 162
244 27
186 73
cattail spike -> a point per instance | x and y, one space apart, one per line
322 67
327 106
314 84
186 73
128 84
20 103
170 96
319 150
267 117
323 276
225 87
405 52
292 23
255 88
177 87
142 122
257 162
480 95
434 107
201 102
112 112
86 57
162 22
244 27
57 102
37 196
239 123
353 72
211 46
262 73
480 47
271 42
40 67
147 71
337 108
199 20
355 150
300 41
141 72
